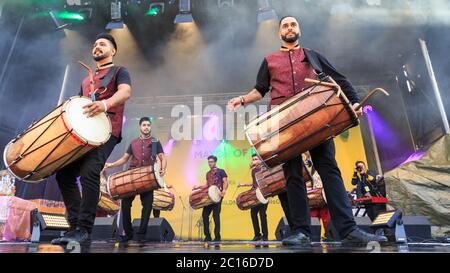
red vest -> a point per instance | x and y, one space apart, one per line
142 153
115 114
287 70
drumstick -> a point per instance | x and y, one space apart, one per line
330 84
371 93
91 79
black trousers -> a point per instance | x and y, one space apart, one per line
261 209
215 209
81 208
147 203
156 213
297 211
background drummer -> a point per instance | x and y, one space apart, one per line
255 166
217 177
81 209
283 73
140 152
316 183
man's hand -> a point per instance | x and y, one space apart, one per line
359 113
94 108
234 103
108 165
162 172
222 193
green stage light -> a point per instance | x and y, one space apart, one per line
155 9
66 15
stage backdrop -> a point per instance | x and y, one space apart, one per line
187 166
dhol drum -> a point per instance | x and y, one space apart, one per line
59 138
300 123
107 204
163 200
272 182
135 181
204 196
316 198
251 198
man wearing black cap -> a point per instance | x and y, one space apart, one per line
112 85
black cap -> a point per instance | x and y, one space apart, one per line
108 37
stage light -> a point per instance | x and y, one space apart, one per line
66 15
116 16
155 9
392 220
184 12
266 12
57 23
46 221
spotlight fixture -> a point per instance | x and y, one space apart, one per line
46 221
116 16
391 220
155 9
184 12
56 21
266 12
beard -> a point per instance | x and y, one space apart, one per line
100 57
291 39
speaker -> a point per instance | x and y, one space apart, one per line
284 231
363 223
417 228
104 228
158 230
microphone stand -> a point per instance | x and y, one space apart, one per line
182 216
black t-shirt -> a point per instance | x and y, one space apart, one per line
122 77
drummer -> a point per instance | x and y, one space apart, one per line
283 73
141 153
255 166
81 208
219 178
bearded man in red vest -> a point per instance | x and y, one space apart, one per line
282 74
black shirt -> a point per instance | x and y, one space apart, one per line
263 78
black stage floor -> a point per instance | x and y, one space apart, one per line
223 247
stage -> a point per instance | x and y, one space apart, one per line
238 247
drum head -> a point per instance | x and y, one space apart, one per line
261 197
214 194
94 130
159 179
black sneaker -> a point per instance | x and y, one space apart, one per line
358 237
265 238
256 238
217 239
62 240
207 239
298 239
81 236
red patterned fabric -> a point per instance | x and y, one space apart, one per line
115 114
288 70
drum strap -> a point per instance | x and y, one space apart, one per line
315 63
154 143
109 76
